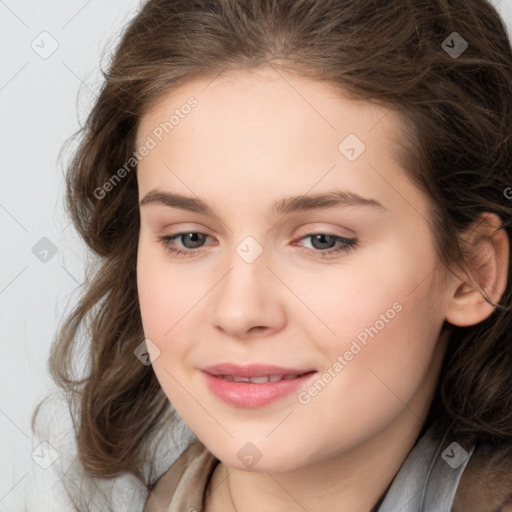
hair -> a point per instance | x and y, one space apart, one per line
457 148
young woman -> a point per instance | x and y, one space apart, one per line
301 211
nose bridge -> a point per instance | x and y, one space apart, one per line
247 272
246 296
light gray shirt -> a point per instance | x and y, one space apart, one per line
429 476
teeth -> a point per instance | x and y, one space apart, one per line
260 380
241 379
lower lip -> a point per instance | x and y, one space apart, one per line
250 395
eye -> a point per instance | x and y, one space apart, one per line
319 240
193 240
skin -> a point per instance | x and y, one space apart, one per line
255 137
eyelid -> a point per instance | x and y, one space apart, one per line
322 229
303 231
183 227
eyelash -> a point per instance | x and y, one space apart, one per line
348 244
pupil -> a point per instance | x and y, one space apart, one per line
193 238
322 236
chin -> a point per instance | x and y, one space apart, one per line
265 456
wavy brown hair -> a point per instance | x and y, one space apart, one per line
457 112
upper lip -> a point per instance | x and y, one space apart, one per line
253 370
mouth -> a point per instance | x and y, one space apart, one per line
254 386
261 380
252 371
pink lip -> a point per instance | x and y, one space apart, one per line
248 394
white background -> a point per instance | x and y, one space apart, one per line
41 102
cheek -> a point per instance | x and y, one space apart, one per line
162 305
170 303
382 324
158 294
368 293
374 378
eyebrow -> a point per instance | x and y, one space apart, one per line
283 206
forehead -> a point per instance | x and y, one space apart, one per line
260 94
268 128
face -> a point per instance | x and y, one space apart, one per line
341 289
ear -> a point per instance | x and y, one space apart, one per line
488 246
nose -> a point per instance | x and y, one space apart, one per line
249 300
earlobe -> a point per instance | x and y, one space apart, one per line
488 244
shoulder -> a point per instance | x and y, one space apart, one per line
486 483
187 476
